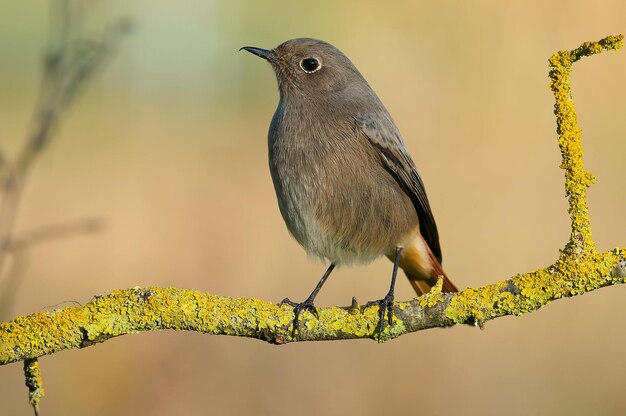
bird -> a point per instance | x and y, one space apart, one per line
347 188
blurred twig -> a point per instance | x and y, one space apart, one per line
55 232
71 59
19 254
12 281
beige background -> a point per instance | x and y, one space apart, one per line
168 148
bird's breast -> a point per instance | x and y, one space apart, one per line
335 196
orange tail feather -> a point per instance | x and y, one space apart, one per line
422 268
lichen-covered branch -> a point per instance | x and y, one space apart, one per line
577 180
151 308
578 270
32 374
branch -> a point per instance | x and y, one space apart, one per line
577 180
32 374
147 309
578 270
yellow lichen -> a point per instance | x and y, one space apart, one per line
433 297
577 180
34 383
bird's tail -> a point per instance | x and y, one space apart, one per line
422 268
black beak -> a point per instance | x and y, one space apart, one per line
266 54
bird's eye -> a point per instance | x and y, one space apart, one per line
310 65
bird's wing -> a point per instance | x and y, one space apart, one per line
385 137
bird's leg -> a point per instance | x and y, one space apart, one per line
308 303
385 305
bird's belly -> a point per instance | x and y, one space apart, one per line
347 216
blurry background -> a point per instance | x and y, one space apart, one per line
168 147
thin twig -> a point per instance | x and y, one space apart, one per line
55 232
19 249
70 62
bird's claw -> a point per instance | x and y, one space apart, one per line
385 306
298 308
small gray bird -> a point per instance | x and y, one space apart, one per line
347 188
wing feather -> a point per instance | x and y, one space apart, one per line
385 137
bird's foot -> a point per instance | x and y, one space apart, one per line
298 308
385 307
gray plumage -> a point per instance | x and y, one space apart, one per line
347 188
